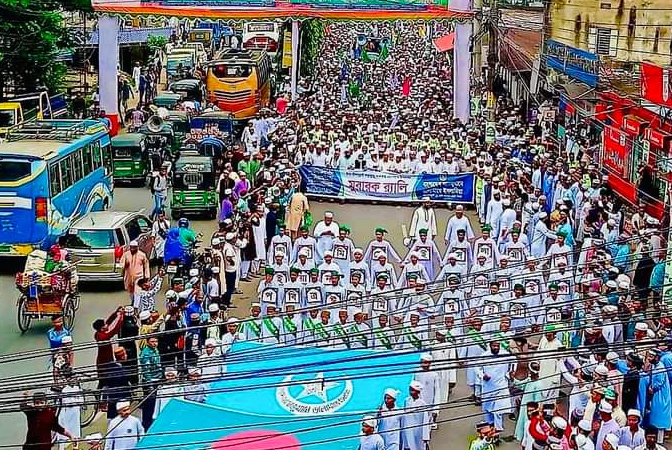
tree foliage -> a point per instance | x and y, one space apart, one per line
155 41
32 33
312 35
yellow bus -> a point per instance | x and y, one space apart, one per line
239 82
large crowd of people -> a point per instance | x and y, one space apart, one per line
549 297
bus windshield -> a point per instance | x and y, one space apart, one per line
7 117
232 70
14 170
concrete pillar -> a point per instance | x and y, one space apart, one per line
295 57
108 60
462 66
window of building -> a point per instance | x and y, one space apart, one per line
603 41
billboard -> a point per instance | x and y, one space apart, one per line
656 84
576 63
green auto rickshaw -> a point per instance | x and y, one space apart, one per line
193 190
181 122
131 158
160 138
168 100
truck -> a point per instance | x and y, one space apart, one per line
37 105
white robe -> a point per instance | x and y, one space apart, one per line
423 218
445 355
68 418
164 394
496 390
371 442
259 232
431 388
416 424
124 434
454 224
389 427
325 242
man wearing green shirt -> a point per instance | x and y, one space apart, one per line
151 373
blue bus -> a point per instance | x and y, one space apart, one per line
51 173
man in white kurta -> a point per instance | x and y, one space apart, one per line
69 416
168 390
369 439
445 354
494 372
124 431
416 420
458 222
423 218
390 420
325 232
431 388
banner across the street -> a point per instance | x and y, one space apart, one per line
387 186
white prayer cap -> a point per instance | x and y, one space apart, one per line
144 315
602 370
328 253
452 255
414 253
216 241
426 198
133 243
391 392
581 440
504 257
612 357
459 208
634 412
606 407
123 404
210 342
170 371
585 425
369 421
213 307
279 253
193 272
559 423
624 285
426 357
230 236
641 326
612 284
612 439
194 371
420 281
232 321
329 214
215 270
358 250
543 215
441 330
357 311
506 201
611 222
416 385
609 309
304 252
228 191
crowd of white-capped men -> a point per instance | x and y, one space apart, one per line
553 311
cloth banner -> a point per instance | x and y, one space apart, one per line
387 186
288 398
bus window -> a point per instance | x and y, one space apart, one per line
54 179
76 161
87 159
14 170
97 158
232 70
106 150
66 174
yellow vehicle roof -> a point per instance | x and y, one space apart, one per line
10 105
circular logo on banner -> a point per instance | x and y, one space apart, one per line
313 396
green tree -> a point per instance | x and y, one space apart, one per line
155 41
312 35
31 35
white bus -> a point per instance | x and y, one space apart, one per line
261 36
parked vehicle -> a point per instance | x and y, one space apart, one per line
193 187
97 241
51 173
131 158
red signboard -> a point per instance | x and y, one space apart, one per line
658 138
614 150
634 125
656 84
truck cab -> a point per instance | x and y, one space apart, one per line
11 114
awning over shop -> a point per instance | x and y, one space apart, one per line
132 36
519 49
445 43
269 9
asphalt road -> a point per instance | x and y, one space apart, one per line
98 301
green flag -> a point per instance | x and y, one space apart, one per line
365 56
354 89
383 54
